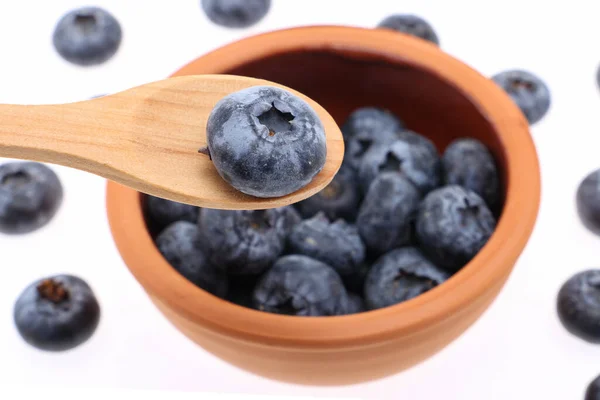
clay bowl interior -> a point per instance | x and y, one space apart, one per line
343 69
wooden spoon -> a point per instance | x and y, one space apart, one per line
148 138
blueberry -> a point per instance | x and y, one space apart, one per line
243 242
179 245
30 196
300 285
265 141
87 36
368 122
469 163
412 155
340 199
386 217
588 201
411 25
528 91
365 127
578 305
592 391
236 13
355 304
337 244
162 212
401 275
453 224
291 218
57 313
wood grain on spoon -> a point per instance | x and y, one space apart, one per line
148 138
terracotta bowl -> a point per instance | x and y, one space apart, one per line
343 68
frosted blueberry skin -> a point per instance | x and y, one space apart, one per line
412 25
236 13
527 90
179 245
401 275
57 313
578 305
386 217
469 163
300 285
87 36
337 243
453 224
30 196
588 201
265 141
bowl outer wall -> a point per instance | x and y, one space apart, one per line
487 272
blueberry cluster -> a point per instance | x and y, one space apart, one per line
396 221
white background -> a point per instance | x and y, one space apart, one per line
517 350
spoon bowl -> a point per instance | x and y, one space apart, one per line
147 138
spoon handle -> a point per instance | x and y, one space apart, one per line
79 135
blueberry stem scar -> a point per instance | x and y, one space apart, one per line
53 291
275 120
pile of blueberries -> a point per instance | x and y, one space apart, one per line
396 221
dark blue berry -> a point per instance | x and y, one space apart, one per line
578 305
179 245
57 313
340 199
244 242
236 13
30 196
163 212
413 156
337 244
469 163
265 141
355 304
365 127
300 285
369 122
401 275
386 217
411 25
453 224
588 201
87 36
592 391
528 91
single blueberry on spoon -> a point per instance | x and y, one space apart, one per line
57 313
265 141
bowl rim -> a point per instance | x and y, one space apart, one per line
493 263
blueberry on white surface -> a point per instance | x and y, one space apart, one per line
30 196
87 36
236 13
527 90
57 313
